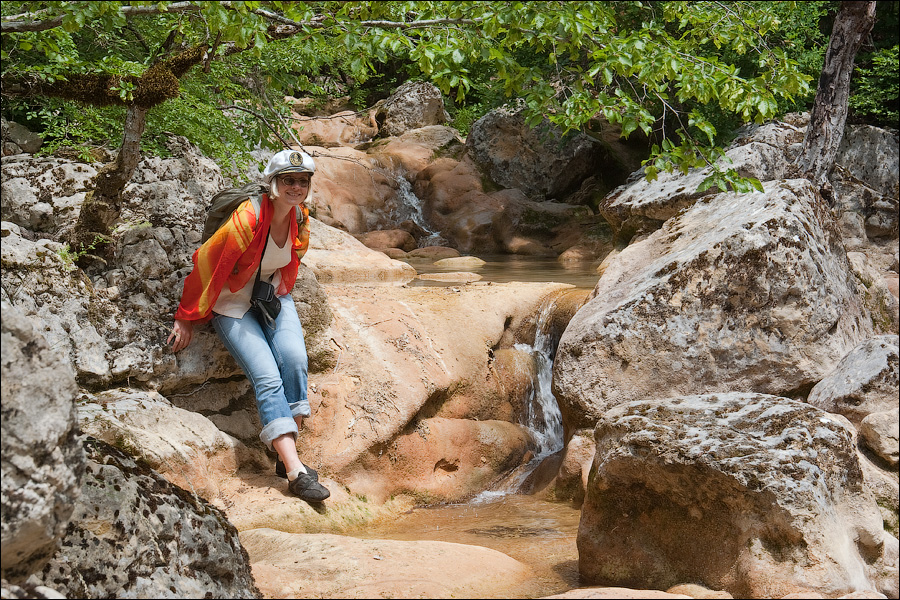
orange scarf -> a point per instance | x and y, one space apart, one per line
232 255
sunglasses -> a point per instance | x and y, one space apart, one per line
292 181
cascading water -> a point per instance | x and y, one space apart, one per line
542 411
408 207
542 415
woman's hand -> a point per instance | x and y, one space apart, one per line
182 334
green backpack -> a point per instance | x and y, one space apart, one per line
225 202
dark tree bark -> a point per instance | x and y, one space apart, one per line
852 25
102 205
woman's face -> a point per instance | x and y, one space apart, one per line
293 188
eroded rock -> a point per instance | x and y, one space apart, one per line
42 458
166 542
864 382
754 494
747 292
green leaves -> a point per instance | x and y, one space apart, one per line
684 73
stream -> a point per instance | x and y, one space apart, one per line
535 532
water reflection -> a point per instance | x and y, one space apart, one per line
502 268
535 532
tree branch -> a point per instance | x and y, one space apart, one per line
31 21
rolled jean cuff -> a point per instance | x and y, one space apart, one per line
300 409
276 429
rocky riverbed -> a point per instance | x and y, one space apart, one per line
727 390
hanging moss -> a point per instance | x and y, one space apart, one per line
158 83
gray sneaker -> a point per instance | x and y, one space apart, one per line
306 487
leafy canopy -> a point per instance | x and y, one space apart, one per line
671 70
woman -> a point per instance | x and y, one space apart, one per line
219 288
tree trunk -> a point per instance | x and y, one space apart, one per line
103 205
852 25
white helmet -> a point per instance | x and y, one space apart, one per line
289 161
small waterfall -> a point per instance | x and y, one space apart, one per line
408 207
542 412
542 415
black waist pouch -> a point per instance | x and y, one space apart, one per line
265 303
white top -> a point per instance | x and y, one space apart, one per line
236 304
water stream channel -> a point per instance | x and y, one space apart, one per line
538 533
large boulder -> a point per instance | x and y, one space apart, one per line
134 535
760 151
540 161
16 138
866 194
748 292
754 494
42 459
413 105
183 446
872 155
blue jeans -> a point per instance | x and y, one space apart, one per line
276 364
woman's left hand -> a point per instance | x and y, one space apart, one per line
182 334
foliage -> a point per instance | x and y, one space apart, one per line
70 257
875 89
683 73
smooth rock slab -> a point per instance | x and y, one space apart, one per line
290 565
753 494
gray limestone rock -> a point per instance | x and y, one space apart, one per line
755 494
134 535
643 205
879 432
413 105
866 380
42 458
748 292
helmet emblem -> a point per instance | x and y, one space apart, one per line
296 159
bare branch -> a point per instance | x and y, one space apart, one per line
261 118
30 21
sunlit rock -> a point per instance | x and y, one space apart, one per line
133 534
748 292
758 495
42 460
865 381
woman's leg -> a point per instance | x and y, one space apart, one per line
245 340
289 349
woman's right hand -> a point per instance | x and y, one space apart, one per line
181 335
